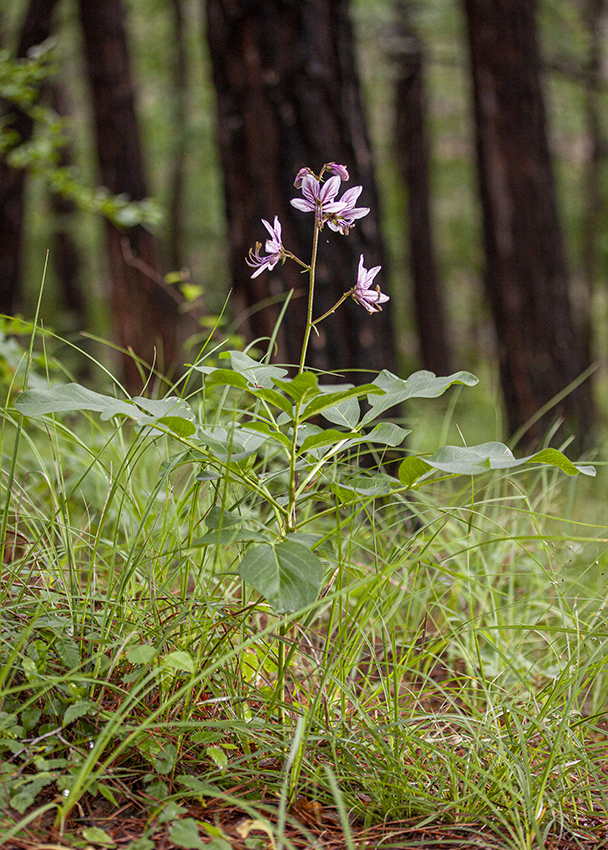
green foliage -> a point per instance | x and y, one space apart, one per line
21 81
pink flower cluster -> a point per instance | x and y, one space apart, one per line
319 196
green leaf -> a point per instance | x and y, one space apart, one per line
301 388
24 795
233 445
346 413
141 654
329 400
368 486
165 759
421 384
288 574
473 460
67 650
270 432
328 437
143 843
254 373
274 398
218 756
78 709
217 517
222 377
68 398
179 660
384 433
171 811
172 412
184 833
411 469
95 835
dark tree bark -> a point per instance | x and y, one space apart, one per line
36 28
288 96
144 312
177 174
596 12
527 281
412 152
65 254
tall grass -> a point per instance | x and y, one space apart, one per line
453 671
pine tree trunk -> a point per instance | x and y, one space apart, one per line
144 313
36 28
287 97
412 153
527 280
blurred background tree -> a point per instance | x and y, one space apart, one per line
211 106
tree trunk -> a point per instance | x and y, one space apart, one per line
176 178
65 254
412 153
36 28
596 18
527 281
288 97
145 314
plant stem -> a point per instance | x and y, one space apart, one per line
281 671
333 309
311 296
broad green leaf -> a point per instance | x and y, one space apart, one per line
329 400
421 384
179 660
346 413
165 759
78 709
272 433
184 833
328 437
218 755
366 485
141 654
473 460
223 377
218 518
384 433
24 795
411 469
234 445
170 407
71 397
171 811
274 398
171 412
288 575
95 835
258 374
301 388
67 650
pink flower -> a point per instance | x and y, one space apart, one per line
318 197
371 299
343 220
340 170
300 177
273 247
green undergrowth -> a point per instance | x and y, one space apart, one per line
451 670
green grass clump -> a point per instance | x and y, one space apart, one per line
451 673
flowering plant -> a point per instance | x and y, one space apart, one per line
274 454
319 197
